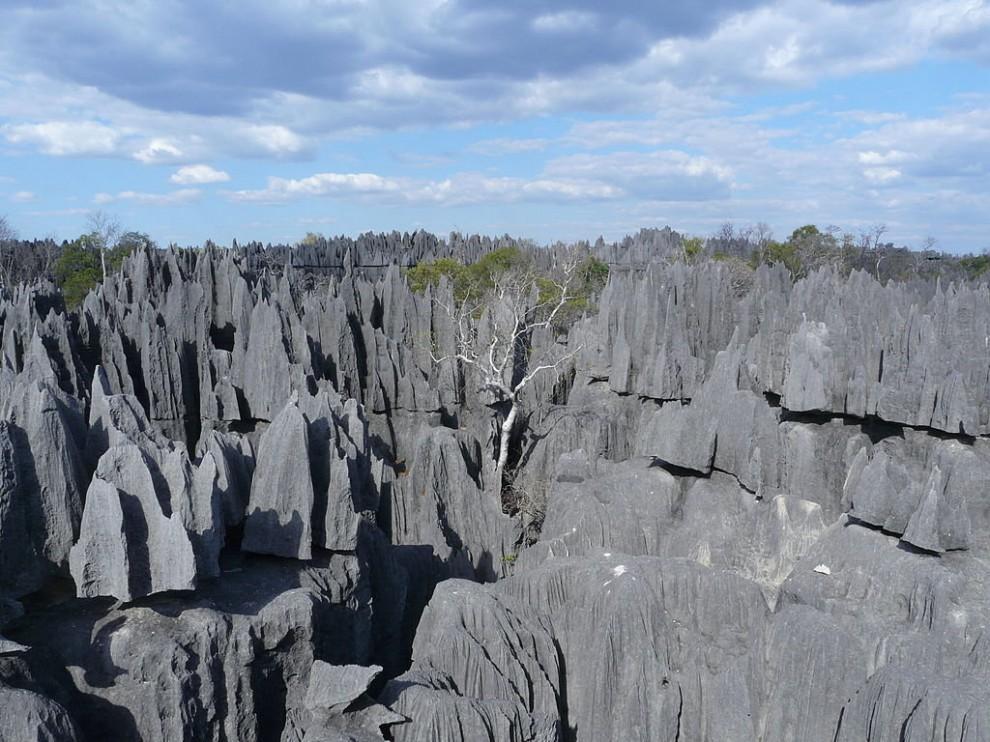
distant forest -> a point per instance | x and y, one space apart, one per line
78 265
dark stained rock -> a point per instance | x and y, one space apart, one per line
43 437
22 567
232 661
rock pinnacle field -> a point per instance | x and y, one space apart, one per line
254 494
494 371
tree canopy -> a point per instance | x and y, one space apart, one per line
474 282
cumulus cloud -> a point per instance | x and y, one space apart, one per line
159 151
65 137
321 184
272 139
198 175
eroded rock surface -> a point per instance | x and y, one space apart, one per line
239 500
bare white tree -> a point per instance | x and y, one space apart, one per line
104 230
494 327
762 235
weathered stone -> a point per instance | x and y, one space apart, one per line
131 544
280 511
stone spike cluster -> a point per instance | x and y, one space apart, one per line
238 500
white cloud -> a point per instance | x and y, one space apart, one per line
881 175
388 66
198 175
666 175
66 138
173 198
159 151
273 139
464 188
798 42
321 184
955 144
22 197
890 157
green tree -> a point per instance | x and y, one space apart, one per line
474 282
430 272
77 270
975 265
85 261
783 253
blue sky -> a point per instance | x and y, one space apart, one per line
546 119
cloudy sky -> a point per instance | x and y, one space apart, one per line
549 119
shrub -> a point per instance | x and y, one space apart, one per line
975 265
692 248
477 279
78 268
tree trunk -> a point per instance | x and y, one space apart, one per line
503 443
103 263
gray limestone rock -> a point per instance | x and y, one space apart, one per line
443 502
234 459
44 437
805 667
919 487
338 707
633 631
491 646
436 710
280 509
265 364
726 426
333 688
26 715
232 661
131 542
800 553
22 567
153 521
